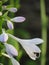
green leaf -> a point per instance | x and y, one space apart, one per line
31 62
22 33
3 1
9 31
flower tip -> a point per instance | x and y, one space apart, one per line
37 41
13 10
40 40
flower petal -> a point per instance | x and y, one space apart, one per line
10 49
36 40
31 49
4 37
18 19
28 43
14 62
31 41
0 13
10 24
13 9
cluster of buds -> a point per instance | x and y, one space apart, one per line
29 45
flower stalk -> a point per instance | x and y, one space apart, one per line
44 31
11 2
0 17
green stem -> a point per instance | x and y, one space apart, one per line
17 3
44 31
0 17
11 2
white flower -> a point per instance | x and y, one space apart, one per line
15 19
12 9
30 46
11 52
10 24
18 19
3 37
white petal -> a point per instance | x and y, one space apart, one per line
31 47
3 37
18 19
30 50
36 41
28 43
14 62
13 9
31 41
0 13
11 50
10 24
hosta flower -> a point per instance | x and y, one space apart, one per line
10 24
3 37
30 46
11 52
12 9
15 19
18 19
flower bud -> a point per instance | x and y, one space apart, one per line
13 10
18 19
11 50
3 37
10 24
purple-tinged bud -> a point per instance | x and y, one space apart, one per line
12 9
11 50
18 19
10 24
3 37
